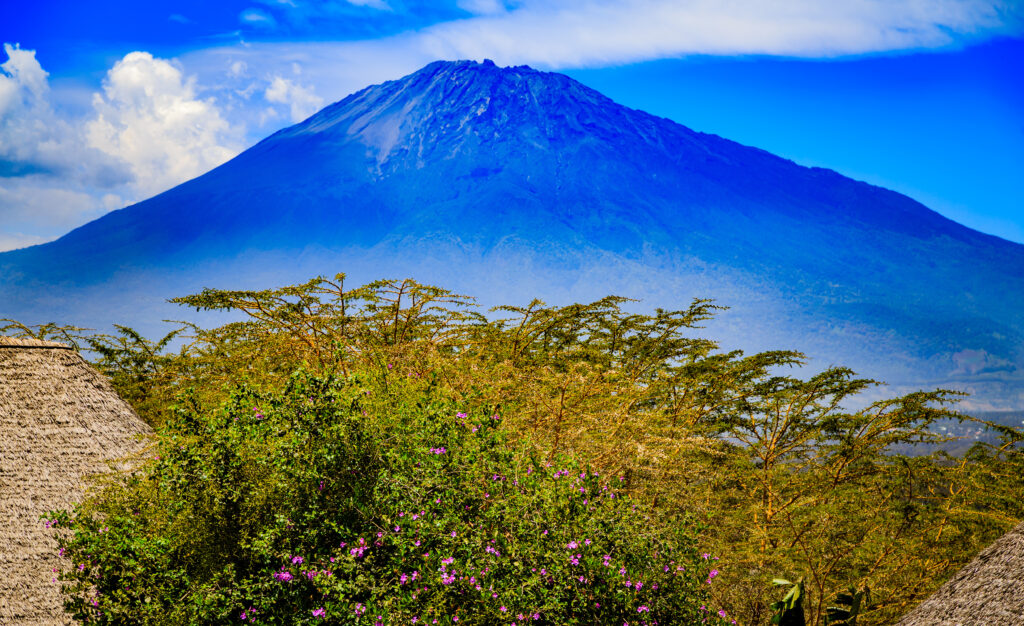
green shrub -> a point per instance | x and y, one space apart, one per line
371 500
787 480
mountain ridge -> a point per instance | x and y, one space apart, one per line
530 164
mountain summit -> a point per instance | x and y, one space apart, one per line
512 182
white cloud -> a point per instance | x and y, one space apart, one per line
149 115
373 4
148 131
481 7
49 176
302 101
594 32
238 68
22 73
33 138
256 17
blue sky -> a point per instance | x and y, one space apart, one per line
106 103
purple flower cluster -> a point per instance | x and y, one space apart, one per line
420 534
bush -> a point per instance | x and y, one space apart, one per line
788 480
371 499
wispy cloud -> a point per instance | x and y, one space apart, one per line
482 7
301 100
595 33
257 17
380 5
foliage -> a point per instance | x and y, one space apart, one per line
141 370
370 499
784 476
71 335
847 607
789 611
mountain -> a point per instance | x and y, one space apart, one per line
507 183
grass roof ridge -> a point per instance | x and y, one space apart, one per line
31 342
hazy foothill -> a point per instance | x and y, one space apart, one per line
355 448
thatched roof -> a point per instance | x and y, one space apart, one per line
988 591
60 421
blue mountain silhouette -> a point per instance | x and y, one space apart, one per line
511 182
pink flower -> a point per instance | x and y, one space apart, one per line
283 576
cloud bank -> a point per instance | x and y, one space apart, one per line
595 33
149 131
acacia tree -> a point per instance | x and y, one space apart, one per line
71 335
790 482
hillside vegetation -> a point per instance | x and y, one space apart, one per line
391 454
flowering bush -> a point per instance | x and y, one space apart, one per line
371 500
788 481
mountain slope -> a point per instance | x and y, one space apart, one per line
464 174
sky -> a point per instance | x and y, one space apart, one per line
104 103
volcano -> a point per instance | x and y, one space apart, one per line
510 183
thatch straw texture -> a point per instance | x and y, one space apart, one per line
60 422
988 591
